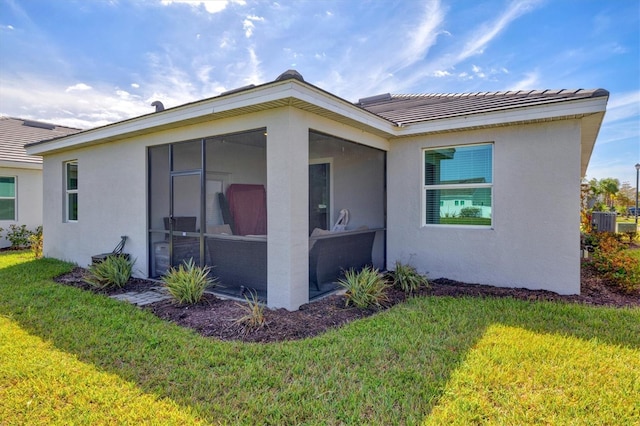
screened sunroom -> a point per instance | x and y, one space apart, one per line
207 203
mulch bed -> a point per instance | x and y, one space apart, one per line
216 317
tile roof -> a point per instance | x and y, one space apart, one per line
16 132
409 109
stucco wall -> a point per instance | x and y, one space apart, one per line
112 195
534 239
29 196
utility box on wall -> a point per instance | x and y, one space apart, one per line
604 221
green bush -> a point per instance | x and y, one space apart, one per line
18 236
407 279
113 272
187 282
253 318
365 288
35 239
470 212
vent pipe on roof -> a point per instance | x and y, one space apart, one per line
158 105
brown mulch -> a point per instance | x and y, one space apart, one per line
216 317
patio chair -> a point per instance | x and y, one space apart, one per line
117 251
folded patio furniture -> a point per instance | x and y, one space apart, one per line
239 261
117 251
336 252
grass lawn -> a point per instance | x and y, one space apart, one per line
72 357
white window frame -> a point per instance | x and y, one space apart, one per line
68 192
14 198
425 187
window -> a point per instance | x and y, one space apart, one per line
455 177
7 198
71 191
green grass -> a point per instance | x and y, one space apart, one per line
481 221
624 219
69 356
635 253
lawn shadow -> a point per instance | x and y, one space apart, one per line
390 368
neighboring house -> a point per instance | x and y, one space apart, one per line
21 174
251 181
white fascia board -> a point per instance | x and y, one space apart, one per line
277 91
343 108
516 115
20 165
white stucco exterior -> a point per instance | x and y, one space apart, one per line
537 166
28 198
533 241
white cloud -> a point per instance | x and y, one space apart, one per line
78 87
211 6
51 102
135 85
479 41
441 73
423 36
248 24
530 81
255 74
622 106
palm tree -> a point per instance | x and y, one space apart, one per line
609 187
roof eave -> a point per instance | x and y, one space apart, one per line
260 97
20 165
559 110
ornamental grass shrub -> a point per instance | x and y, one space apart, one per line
112 272
407 279
366 288
254 318
187 283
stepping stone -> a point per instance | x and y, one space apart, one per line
142 298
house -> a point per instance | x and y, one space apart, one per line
21 174
252 181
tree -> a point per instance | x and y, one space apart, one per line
609 187
626 196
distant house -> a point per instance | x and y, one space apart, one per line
252 182
21 174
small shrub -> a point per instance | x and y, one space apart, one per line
18 236
365 288
113 272
254 313
615 264
35 239
407 279
187 282
470 212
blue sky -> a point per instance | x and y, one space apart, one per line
85 63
